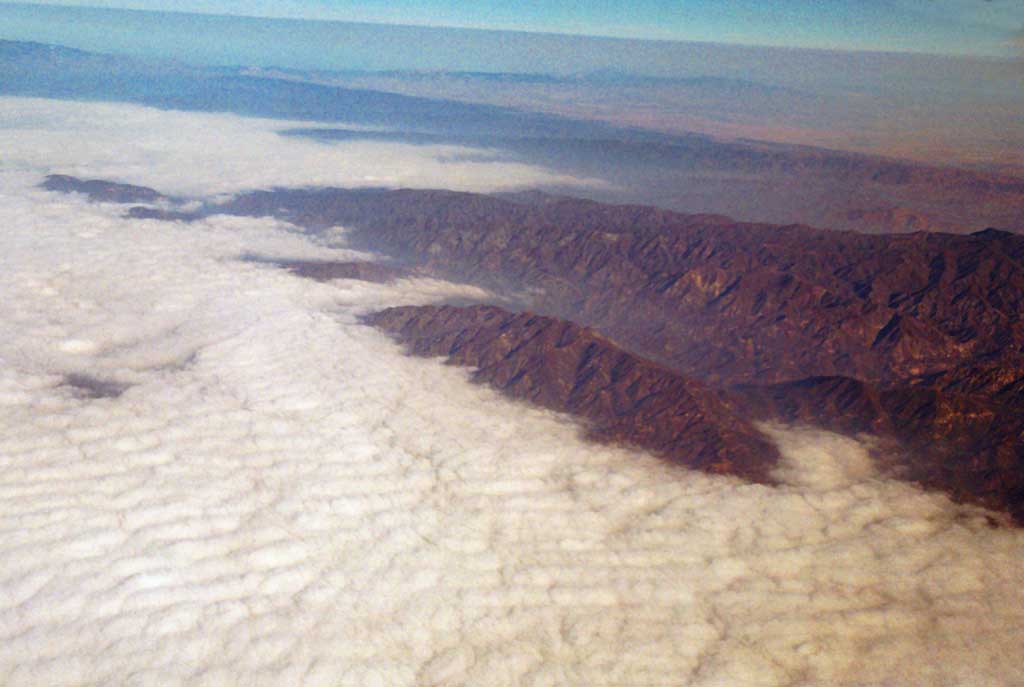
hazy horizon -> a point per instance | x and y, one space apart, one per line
951 27
948 109
944 110
312 44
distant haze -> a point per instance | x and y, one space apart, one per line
946 109
965 27
305 44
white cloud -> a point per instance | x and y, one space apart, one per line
280 496
202 154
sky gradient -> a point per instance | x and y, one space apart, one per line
972 27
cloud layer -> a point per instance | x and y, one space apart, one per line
201 154
281 496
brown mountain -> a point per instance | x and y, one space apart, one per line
562 366
725 301
909 318
758 180
970 446
893 219
917 337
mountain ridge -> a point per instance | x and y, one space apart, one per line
915 338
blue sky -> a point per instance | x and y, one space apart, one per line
982 27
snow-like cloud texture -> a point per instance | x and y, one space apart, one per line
201 154
278 495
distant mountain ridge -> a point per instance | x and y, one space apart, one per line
694 173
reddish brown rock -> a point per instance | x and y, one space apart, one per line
917 336
893 219
970 446
841 404
725 301
568 368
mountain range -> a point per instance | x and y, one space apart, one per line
758 180
679 332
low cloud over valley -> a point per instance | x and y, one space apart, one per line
212 472
203 154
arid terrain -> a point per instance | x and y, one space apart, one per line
916 338
722 172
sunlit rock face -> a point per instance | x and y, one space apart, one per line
212 471
559 365
917 337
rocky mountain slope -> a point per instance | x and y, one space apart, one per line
726 301
970 446
917 338
562 366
